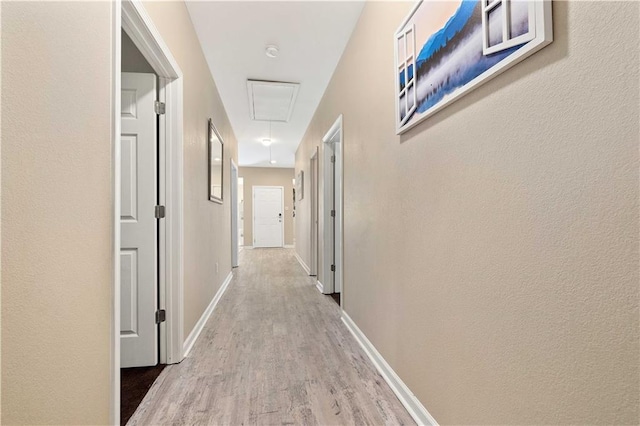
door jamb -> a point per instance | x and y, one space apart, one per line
131 16
234 214
335 130
253 210
314 201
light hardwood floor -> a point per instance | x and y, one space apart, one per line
274 352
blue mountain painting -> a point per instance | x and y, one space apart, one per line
454 25
452 57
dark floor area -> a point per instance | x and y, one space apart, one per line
336 297
134 385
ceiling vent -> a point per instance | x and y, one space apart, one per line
271 100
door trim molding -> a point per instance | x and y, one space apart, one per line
402 391
131 16
335 130
197 329
116 55
233 186
253 211
314 202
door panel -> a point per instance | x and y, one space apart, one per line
268 216
138 227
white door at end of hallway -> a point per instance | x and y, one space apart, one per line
138 225
268 216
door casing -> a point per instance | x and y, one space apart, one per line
131 16
313 185
234 214
333 143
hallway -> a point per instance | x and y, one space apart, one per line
274 351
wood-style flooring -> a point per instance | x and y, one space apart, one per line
273 352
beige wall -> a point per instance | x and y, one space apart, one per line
57 256
267 176
491 253
132 59
207 225
56 212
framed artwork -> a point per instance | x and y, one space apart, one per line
445 49
300 185
215 164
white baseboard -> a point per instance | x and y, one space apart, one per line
301 262
289 246
319 286
404 394
195 333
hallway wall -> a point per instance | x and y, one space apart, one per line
207 225
57 203
269 176
56 212
495 264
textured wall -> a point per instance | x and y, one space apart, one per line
57 256
491 253
207 225
269 176
56 212
132 59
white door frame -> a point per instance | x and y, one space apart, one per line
314 198
131 16
333 137
253 209
234 214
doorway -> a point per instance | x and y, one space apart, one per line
332 209
234 215
313 184
166 202
240 212
268 209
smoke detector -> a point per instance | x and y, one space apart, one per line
271 51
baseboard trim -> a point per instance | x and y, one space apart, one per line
319 286
301 262
404 394
195 333
289 246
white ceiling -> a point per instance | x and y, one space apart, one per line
310 35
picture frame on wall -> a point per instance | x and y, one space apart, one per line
445 49
215 163
300 185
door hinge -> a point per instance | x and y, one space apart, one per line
333 158
161 316
159 107
333 213
333 268
160 212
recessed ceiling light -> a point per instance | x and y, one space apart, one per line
273 161
271 51
266 142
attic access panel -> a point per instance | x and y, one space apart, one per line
271 100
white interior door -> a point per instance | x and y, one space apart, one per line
268 209
138 249
234 215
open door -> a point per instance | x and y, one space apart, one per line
138 224
332 209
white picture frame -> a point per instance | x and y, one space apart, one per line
444 50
